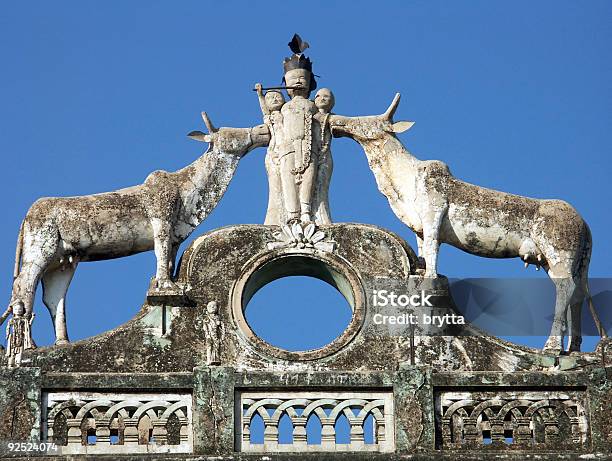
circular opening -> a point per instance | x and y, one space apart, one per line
302 266
298 313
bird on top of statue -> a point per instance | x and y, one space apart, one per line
298 45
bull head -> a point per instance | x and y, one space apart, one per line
371 127
237 141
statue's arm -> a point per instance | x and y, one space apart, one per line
262 101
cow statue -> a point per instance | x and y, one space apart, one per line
442 209
59 233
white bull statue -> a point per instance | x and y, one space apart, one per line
442 209
58 233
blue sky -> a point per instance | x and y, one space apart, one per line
95 95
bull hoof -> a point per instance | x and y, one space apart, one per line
61 342
553 345
166 284
552 349
574 346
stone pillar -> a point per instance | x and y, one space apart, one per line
299 432
246 433
184 432
50 423
497 432
103 432
576 435
356 434
270 433
75 435
328 433
160 432
130 433
522 434
381 432
470 432
551 432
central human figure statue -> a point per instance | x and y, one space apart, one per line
298 161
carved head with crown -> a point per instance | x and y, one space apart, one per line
298 70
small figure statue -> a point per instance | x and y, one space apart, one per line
18 335
270 105
324 101
214 330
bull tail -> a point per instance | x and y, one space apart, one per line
600 329
6 314
585 276
18 251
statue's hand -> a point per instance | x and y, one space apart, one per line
259 88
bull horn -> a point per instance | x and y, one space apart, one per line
208 123
388 115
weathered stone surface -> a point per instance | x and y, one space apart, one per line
165 349
188 376
20 404
228 265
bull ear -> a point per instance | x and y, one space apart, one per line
400 127
199 136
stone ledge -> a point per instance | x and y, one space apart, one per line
440 456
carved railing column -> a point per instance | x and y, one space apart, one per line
551 431
50 431
246 432
75 435
522 434
270 433
130 433
103 432
356 432
447 437
299 432
184 432
497 431
160 431
381 432
328 433
470 431
576 434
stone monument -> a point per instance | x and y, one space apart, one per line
187 377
